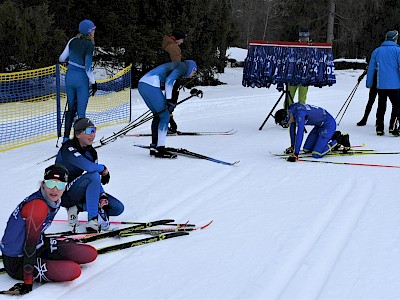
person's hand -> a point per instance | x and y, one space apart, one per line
20 289
94 89
170 106
288 150
105 176
362 76
103 200
293 158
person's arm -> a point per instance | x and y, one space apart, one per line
299 121
72 156
371 69
34 212
65 55
172 77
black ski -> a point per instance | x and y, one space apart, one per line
348 153
140 242
192 154
190 133
102 235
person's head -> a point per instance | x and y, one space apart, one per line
392 35
179 35
282 117
191 68
84 131
86 27
304 35
55 181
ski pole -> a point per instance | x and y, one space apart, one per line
348 100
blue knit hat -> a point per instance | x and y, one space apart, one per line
392 35
86 27
191 66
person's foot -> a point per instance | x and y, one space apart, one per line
162 153
153 150
379 130
363 122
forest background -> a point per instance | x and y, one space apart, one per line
33 33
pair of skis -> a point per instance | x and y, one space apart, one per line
307 157
173 230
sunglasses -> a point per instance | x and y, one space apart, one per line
58 184
90 130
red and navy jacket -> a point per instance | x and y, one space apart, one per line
24 231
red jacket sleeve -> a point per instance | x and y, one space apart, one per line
34 212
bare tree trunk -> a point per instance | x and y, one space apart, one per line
331 21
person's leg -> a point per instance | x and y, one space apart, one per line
71 100
380 112
394 98
114 207
325 134
155 101
292 93
82 96
303 90
311 140
84 192
67 249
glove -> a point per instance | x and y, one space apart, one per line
170 106
362 76
94 89
103 200
196 92
288 150
293 158
20 289
105 176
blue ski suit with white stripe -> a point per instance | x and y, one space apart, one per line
78 53
150 88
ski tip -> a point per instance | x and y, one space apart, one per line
206 225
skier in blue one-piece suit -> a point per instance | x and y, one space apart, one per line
322 139
79 53
161 105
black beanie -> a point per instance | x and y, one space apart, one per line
178 34
56 171
81 124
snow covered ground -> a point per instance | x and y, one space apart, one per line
281 230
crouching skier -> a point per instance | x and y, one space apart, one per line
27 254
85 184
322 139
150 88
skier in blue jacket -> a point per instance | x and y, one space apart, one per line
28 254
79 53
385 61
85 183
150 88
322 139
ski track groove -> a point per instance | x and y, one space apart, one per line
294 267
204 191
